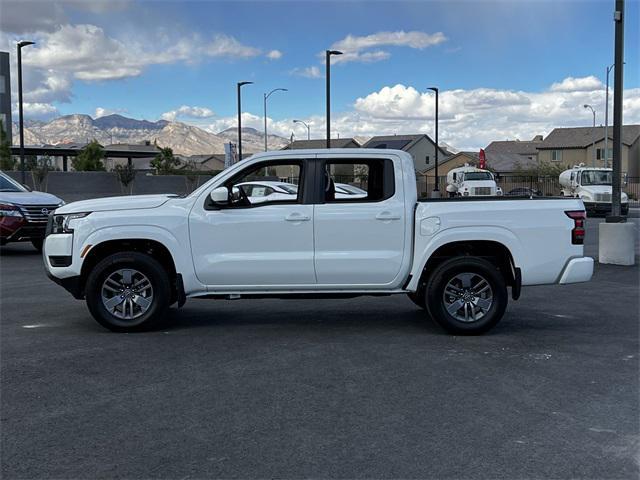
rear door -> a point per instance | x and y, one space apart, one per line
359 241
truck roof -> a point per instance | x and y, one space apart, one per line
349 152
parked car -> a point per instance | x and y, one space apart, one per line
267 191
24 213
132 257
524 192
344 190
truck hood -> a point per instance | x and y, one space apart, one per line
29 198
128 202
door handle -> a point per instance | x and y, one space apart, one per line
386 216
297 217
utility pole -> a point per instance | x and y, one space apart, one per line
436 188
617 112
593 135
328 54
19 46
240 84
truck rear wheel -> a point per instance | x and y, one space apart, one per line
128 291
467 295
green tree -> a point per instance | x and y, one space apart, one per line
90 158
541 169
165 162
126 175
7 162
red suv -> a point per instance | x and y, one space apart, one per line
23 213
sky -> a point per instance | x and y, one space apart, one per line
505 69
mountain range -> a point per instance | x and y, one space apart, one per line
182 138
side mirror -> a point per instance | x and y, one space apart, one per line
220 196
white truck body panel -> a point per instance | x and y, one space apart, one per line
325 247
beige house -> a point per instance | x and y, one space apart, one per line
420 146
572 146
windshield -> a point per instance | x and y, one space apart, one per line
477 176
7 184
596 177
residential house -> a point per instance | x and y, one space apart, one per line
572 146
528 149
421 148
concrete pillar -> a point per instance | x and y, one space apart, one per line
617 243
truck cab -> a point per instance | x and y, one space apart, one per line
470 181
593 186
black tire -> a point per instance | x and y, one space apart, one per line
38 243
479 269
142 263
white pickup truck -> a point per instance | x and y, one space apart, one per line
133 257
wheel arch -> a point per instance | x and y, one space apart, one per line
154 248
492 250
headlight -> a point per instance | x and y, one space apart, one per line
61 222
9 210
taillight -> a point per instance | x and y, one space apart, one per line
577 234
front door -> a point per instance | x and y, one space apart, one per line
260 244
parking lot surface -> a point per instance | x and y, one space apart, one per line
359 388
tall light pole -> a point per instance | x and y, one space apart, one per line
436 188
266 96
328 54
593 134
240 84
617 112
308 129
19 46
606 117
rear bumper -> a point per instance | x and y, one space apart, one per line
577 270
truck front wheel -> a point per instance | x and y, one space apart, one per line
128 291
466 295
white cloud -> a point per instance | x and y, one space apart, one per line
36 110
571 84
469 119
186 111
274 55
355 48
308 72
103 112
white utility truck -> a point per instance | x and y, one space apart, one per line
470 181
593 186
132 257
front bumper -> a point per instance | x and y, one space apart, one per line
577 270
17 230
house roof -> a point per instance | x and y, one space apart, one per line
322 143
582 137
399 142
509 162
527 147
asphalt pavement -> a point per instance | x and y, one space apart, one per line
358 388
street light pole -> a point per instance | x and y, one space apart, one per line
436 188
19 46
606 119
308 129
266 96
328 54
617 112
593 134
240 84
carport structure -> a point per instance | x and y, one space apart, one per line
66 151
